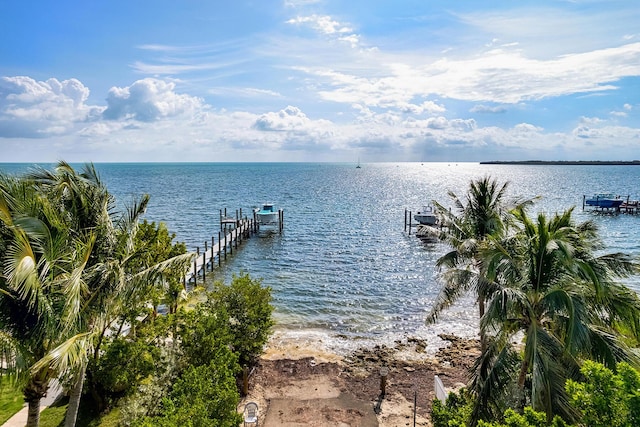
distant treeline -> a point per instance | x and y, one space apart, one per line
562 162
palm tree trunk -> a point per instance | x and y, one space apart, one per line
524 368
483 335
33 417
74 399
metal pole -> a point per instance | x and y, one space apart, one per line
383 381
415 406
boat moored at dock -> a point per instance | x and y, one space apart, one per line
604 200
426 216
267 215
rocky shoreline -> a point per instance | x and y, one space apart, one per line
330 391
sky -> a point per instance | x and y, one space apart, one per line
319 80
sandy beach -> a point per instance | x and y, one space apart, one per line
300 384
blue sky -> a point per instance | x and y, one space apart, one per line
315 80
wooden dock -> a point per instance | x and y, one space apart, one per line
234 229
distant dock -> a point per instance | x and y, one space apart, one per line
566 162
627 206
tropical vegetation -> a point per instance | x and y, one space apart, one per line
80 287
603 398
549 299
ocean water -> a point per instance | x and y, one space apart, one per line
344 272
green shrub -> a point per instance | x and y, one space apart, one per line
529 418
455 412
201 332
124 364
606 398
204 396
248 307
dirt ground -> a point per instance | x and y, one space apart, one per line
310 388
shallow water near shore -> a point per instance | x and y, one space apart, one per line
344 273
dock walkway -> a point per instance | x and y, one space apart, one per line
233 232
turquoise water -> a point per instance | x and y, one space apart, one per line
344 270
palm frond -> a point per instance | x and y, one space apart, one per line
456 283
491 377
68 355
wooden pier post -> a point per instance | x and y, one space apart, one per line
255 222
204 258
236 231
195 271
280 220
237 224
204 266
405 219
232 232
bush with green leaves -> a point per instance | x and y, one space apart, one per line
124 364
204 346
603 398
455 412
529 418
248 306
204 396
607 398
200 332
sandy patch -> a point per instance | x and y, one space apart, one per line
299 385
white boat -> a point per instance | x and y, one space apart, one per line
267 215
604 201
426 216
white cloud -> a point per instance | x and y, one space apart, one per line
288 119
151 120
526 128
546 32
499 76
352 39
611 136
487 109
245 92
299 3
149 100
33 109
321 23
590 121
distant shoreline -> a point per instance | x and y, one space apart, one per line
563 162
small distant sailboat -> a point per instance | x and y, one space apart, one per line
358 167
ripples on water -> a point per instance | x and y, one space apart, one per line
343 267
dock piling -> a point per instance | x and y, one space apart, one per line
230 236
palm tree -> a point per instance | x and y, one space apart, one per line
112 275
549 286
482 213
40 263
